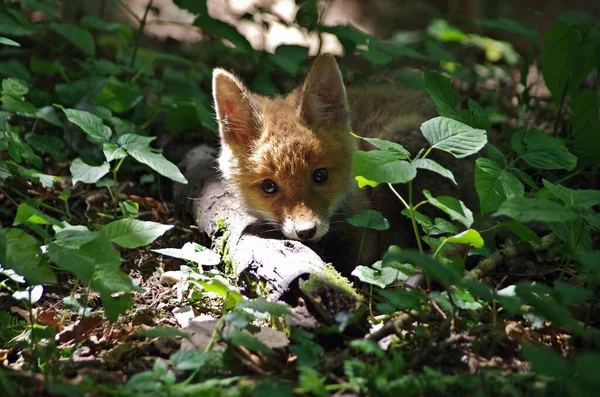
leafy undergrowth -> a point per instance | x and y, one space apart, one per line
91 114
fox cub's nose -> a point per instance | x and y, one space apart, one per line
306 231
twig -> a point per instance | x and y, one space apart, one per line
140 33
510 252
392 326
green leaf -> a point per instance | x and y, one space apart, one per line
378 166
547 362
2 245
453 136
186 360
530 209
18 25
81 266
196 7
133 233
192 252
224 31
441 30
113 152
14 68
567 58
28 214
456 209
119 97
586 125
162 332
73 237
381 276
370 219
388 146
430 165
92 125
511 25
580 197
13 104
87 173
542 151
80 37
470 236
220 286
245 339
15 87
442 226
9 42
521 231
440 90
138 147
24 256
49 144
494 185
289 58
262 305
432 267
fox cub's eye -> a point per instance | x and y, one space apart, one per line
320 175
269 186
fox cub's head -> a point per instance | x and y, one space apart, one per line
288 158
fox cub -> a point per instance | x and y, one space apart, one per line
289 158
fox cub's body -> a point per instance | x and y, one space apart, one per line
289 158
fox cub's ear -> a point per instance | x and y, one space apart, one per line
323 96
236 110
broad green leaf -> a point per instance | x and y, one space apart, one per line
92 125
382 167
453 136
400 299
381 277
289 58
440 90
48 114
388 146
475 116
530 209
542 151
442 226
370 219
567 58
87 173
522 231
13 104
186 360
470 236
494 185
430 165
9 42
245 339
119 97
113 152
81 266
589 264
221 286
441 30
158 163
162 332
546 361
495 154
575 233
432 267
94 23
463 299
193 6
580 197
262 305
81 37
456 209
224 31
73 237
392 260
2 245
513 26
192 252
28 214
49 144
586 125
376 56
15 87
133 233
18 25
24 256
19 150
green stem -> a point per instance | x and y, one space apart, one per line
437 251
560 107
115 196
360 247
140 32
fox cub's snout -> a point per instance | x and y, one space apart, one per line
289 158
